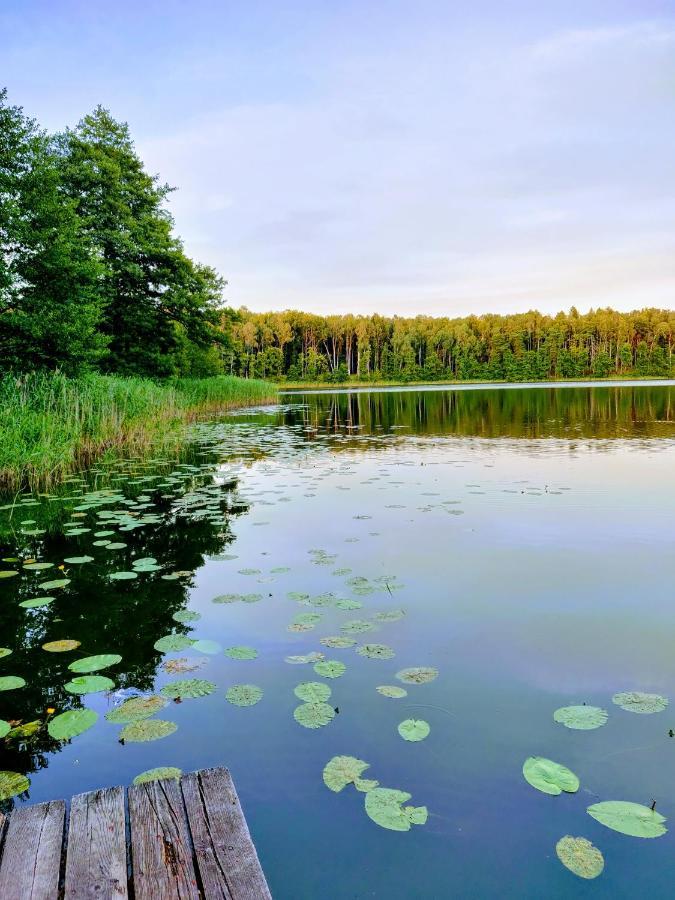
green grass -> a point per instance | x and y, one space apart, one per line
50 424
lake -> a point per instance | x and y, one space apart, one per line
519 540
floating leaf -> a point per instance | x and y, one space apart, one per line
299 627
11 682
135 709
60 646
226 598
348 603
38 566
330 668
185 615
581 718
639 702
159 774
244 694
375 651
384 807
390 615
5 728
182 664
391 690
173 642
414 729
26 730
629 818
338 643
122 576
303 660
52 585
78 560
4 651
417 674
313 692
206 646
147 730
343 770
549 777
8 573
71 723
580 856
241 653
313 715
37 603
89 684
188 688
12 784
357 626
95 663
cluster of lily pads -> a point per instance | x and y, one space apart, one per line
578 854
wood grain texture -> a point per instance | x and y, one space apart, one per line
226 857
161 853
96 864
31 859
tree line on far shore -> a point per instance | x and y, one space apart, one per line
93 278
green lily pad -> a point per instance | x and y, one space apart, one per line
135 709
343 770
385 807
580 718
357 626
12 784
549 777
62 646
185 615
580 856
389 615
206 646
78 560
313 715
11 682
414 729
71 723
5 728
147 730
629 818
173 642
89 684
38 566
122 576
36 603
4 651
241 653
391 690
8 573
338 643
244 694
313 692
188 688
95 663
375 651
52 585
330 668
417 675
159 774
639 702
226 598
299 660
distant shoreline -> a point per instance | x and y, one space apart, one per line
299 387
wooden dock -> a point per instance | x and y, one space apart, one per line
185 839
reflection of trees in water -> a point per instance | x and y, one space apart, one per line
597 412
124 617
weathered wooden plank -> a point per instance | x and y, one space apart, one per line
161 854
226 857
31 861
96 865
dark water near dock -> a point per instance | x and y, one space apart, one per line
527 533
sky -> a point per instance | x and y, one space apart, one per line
394 156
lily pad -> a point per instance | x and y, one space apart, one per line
11 682
173 642
639 702
185 615
182 664
241 653
206 646
135 709
147 730
38 566
337 642
549 777
89 684
313 715
52 585
375 651
244 694
629 818
159 774
357 626
299 660
5 728
389 615
385 807
8 573
580 718
330 668
343 770
95 663
414 729
580 856
417 675
12 784
313 692
71 723
391 690
37 603
188 688
78 560
4 651
62 646
122 576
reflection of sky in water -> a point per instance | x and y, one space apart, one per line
554 586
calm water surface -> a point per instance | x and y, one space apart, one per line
527 533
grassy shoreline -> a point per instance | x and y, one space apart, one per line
52 425
363 384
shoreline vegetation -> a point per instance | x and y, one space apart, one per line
53 425
364 384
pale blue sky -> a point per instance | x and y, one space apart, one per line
395 157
